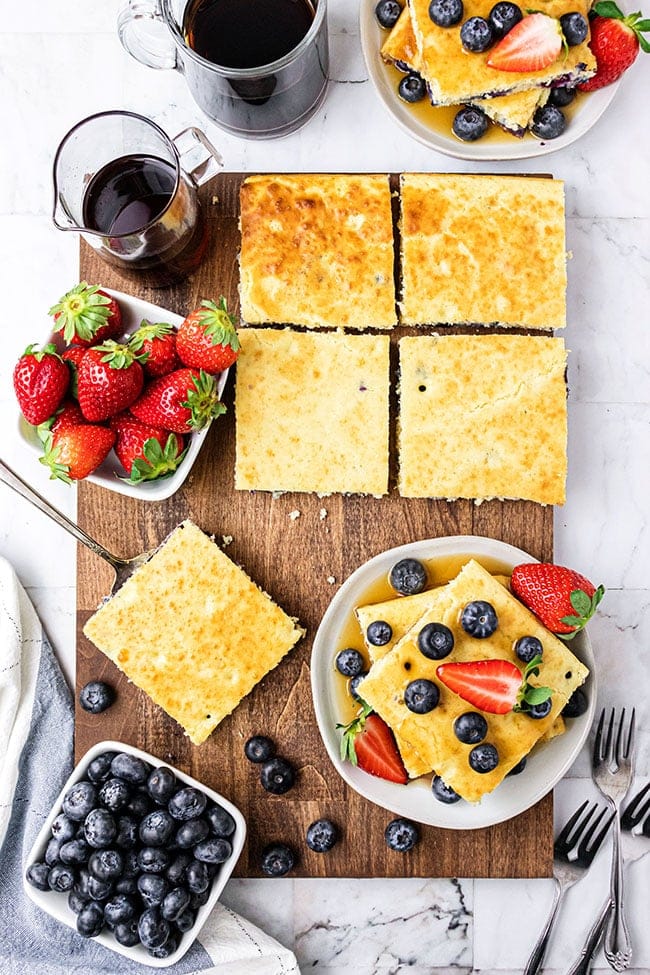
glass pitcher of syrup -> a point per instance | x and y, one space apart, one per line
131 192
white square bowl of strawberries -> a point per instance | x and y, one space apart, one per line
123 392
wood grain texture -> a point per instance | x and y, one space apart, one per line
291 560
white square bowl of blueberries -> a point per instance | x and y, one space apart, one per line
134 854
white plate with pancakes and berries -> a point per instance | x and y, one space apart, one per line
143 447
488 136
412 725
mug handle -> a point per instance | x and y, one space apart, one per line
144 34
198 157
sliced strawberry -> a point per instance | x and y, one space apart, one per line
495 686
532 44
87 315
41 380
563 599
76 451
369 743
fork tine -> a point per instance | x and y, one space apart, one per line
636 808
598 751
562 840
609 739
629 747
591 841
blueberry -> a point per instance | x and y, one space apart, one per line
74 852
175 902
100 828
119 909
258 748
277 859
421 696
446 13
409 576
401 835
98 889
79 800
169 947
541 710
157 828
322 835
548 122
185 921
527 648
483 758
470 727
191 833
387 13
349 662
76 901
63 828
161 785
153 888
96 696
435 641
503 17
90 920
126 933
52 851
277 776
574 27
220 820
81 885
152 928
479 619
176 870
470 123
443 792
153 859
197 877
37 874
114 794
139 804
198 900
130 768
106 864
379 633
214 850
576 705
354 685
187 803
476 35
126 885
518 768
100 767
131 865
127 832
412 88
562 96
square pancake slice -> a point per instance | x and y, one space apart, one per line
312 412
483 416
455 75
193 631
431 735
317 250
483 249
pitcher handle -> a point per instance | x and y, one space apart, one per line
198 157
144 34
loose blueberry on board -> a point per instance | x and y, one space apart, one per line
443 792
354 685
220 821
187 803
548 122
470 123
401 835
100 828
259 748
527 648
470 727
408 577
130 768
576 705
435 641
421 696
96 696
161 785
446 13
541 710
79 800
387 13
322 835
476 35
412 88
562 96
574 27
277 860
503 17
483 758
90 920
349 662
518 768
379 633
277 776
479 619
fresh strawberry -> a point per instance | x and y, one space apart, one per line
532 44
156 344
73 356
495 686
41 380
207 339
369 743
183 401
145 452
110 379
615 42
561 598
76 451
68 415
87 315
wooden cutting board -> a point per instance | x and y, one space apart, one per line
291 560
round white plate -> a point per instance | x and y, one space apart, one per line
547 762
383 78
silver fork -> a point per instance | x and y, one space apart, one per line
636 845
574 850
612 773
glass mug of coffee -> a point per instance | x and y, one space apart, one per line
258 68
131 192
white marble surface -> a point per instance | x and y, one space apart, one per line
62 61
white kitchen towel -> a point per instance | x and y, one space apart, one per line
36 757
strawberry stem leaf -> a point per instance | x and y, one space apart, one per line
350 731
585 607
